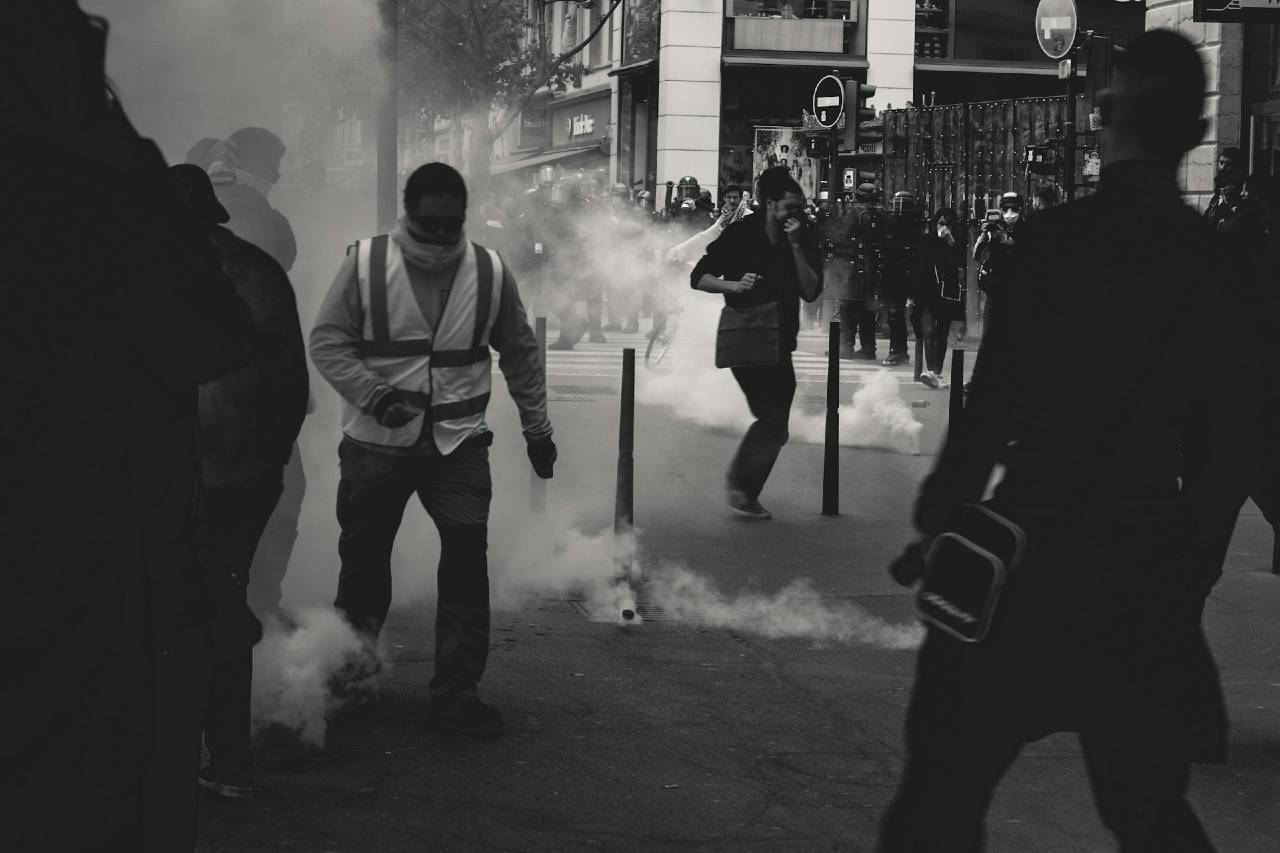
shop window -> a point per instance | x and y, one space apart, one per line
1004 30
640 27
933 29
839 10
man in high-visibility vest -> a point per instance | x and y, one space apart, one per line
404 337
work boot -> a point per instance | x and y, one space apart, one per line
864 355
746 507
464 715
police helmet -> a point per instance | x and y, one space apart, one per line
547 175
687 188
903 201
1011 200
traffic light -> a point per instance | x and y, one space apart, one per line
856 111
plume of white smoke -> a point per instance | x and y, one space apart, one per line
560 560
875 416
794 612
292 671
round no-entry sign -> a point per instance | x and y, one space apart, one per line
828 101
1056 22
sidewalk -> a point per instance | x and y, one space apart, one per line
675 736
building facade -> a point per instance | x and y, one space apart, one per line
717 89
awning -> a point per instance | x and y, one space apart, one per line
793 60
502 168
633 68
979 67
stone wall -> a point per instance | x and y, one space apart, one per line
1222 47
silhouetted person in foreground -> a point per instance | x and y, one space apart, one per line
116 310
249 420
1099 631
404 337
252 157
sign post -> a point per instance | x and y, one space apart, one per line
828 106
1057 27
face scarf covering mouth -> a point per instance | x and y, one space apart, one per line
426 255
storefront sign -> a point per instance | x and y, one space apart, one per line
582 121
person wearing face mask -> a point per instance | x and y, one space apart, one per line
253 155
764 265
404 337
939 291
994 252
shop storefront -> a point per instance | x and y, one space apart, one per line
1262 97
570 135
638 95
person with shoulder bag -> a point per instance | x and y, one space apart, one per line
763 265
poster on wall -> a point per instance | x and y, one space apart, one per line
786 146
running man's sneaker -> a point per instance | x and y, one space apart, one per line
896 358
465 715
228 784
745 507
930 378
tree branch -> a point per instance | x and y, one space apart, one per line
509 115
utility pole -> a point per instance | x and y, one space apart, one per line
388 117
1069 167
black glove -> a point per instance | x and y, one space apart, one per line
542 453
909 566
393 412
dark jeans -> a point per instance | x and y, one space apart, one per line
769 392
855 322
230 524
933 321
455 490
271 560
897 320
966 726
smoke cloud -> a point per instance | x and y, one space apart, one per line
876 416
292 672
796 611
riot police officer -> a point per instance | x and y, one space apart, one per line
903 233
855 311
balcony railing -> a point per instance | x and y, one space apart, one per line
802 26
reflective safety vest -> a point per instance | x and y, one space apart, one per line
444 372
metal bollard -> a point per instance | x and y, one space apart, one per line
624 501
831 446
956 406
537 485
920 352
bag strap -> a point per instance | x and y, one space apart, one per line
378 289
484 296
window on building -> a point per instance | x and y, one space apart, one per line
1004 30
833 9
640 28
599 49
